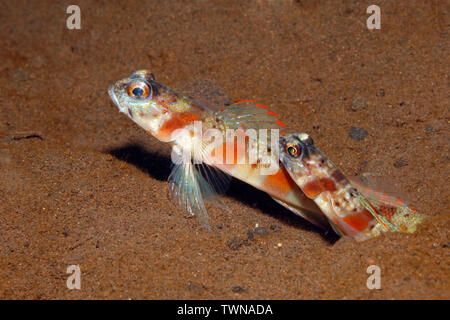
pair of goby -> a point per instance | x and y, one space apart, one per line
306 182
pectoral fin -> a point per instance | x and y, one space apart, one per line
190 185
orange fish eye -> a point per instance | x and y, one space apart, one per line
293 150
138 89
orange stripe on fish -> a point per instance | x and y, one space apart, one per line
315 187
178 121
280 181
359 221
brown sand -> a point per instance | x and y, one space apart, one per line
81 184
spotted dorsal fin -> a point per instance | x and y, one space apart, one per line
249 115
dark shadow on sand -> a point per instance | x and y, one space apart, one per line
159 166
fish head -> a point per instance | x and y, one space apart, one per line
349 212
154 107
305 163
299 155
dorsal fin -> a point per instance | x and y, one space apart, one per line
206 93
249 115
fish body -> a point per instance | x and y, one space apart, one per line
182 122
305 180
349 211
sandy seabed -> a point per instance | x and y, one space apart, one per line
81 184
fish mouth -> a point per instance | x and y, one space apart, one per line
114 99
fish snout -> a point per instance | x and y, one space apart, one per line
115 100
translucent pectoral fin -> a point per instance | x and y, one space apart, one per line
185 190
378 189
217 180
190 185
391 212
400 218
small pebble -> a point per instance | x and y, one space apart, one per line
261 231
275 227
358 133
237 289
430 129
19 75
400 163
234 243
250 235
359 103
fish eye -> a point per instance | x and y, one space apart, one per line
293 150
139 89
